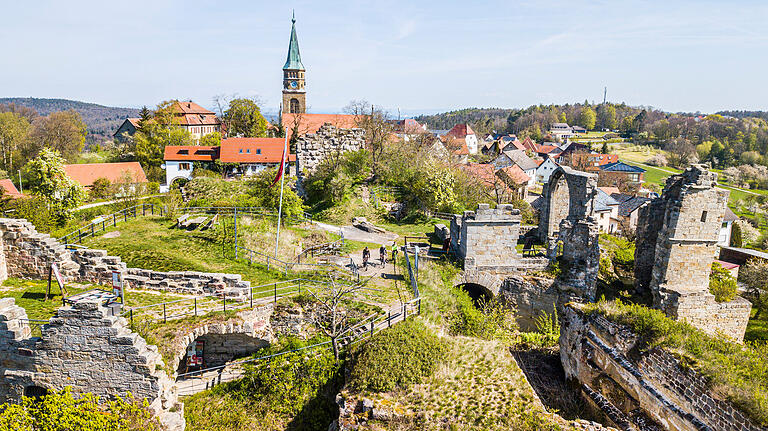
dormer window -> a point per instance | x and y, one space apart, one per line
258 151
183 151
248 151
241 151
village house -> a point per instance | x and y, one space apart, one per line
724 239
545 170
127 129
195 119
126 174
561 131
518 158
243 156
591 162
503 185
463 132
406 128
620 174
606 212
629 207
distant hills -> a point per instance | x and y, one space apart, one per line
102 121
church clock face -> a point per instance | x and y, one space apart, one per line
294 84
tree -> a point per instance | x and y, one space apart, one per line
681 151
336 322
587 118
754 275
100 188
212 139
243 118
375 122
14 138
606 117
149 145
47 179
144 114
62 131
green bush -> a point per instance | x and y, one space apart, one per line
402 355
62 411
722 284
738 372
489 319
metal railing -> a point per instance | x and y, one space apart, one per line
100 223
361 330
271 262
412 274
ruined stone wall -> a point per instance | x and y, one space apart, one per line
313 148
677 240
86 349
29 254
489 236
555 207
635 387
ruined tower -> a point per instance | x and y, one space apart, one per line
294 93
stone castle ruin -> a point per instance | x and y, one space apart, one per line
676 244
313 148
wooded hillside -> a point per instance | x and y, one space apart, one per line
101 121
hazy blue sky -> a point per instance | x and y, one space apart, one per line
416 55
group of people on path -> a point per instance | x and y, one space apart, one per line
382 255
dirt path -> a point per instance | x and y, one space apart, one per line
354 234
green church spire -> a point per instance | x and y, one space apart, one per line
294 56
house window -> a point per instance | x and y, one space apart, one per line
258 151
241 151
703 216
248 151
294 106
184 166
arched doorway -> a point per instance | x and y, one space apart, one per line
35 392
477 292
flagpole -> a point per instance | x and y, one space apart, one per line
282 182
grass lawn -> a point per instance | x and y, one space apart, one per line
757 329
30 295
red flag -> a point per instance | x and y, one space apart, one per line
280 169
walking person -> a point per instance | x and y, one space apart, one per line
366 256
394 253
383 255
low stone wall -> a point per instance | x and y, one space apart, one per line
27 253
86 349
702 311
631 386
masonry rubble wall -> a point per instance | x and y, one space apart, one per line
86 349
29 254
676 246
632 385
313 148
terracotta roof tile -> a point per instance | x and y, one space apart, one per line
202 153
310 123
460 131
87 173
516 174
253 150
10 189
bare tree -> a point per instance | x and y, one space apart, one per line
336 322
378 128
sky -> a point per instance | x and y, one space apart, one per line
416 56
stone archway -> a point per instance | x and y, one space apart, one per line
486 283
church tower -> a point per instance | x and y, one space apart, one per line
294 93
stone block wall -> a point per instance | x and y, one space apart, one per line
489 236
313 148
29 254
676 245
581 256
86 349
635 386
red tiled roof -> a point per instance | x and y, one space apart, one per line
253 150
516 174
482 171
134 121
610 190
192 114
190 107
460 131
202 153
87 173
310 123
529 144
10 189
545 149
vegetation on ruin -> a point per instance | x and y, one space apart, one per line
737 372
62 411
722 284
294 391
398 357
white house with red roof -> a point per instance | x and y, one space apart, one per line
465 133
545 170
